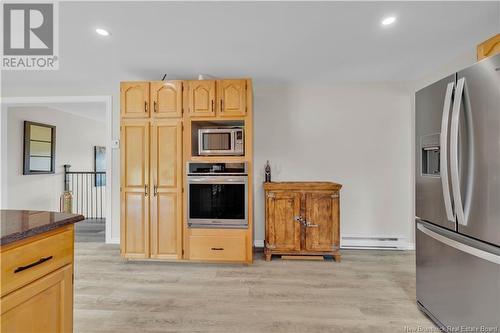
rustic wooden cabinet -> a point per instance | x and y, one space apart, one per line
302 218
489 47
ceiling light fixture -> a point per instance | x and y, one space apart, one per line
388 20
102 32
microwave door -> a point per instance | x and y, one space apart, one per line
215 143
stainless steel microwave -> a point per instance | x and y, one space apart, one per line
221 141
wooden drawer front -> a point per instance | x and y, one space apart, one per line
43 306
217 248
35 259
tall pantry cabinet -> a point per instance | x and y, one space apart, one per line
151 169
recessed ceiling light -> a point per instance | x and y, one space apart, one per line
388 20
102 32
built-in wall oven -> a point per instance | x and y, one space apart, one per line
217 195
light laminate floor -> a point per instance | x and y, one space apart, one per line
369 291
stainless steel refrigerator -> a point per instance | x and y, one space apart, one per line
458 198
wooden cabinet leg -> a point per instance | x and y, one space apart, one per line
268 256
336 257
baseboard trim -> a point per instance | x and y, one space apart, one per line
113 241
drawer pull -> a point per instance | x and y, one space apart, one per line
41 261
217 249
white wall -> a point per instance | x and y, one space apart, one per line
356 135
75 138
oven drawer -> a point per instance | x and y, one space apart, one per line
30 261
225 247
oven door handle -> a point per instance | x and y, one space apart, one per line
218 180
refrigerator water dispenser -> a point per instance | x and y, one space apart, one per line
430 154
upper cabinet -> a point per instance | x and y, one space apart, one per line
489 47
134 99
166 99
221 98
202 98
231 95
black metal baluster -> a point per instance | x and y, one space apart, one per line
101 183
77 195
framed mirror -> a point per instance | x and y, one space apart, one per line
39 148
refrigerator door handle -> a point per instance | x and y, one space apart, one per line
443 156
491 257
461 210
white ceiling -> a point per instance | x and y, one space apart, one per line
270 42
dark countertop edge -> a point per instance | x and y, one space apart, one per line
8 239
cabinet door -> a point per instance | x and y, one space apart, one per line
166 200
45 305
135 189
231 97
134 99
322 218
166 99
283 230
202 98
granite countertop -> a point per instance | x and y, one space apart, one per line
20 224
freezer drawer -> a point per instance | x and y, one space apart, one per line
458 279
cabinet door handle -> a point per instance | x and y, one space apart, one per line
221 108
155 190
213 105
40 261
145 190
145 106
217 249
155 106
310 225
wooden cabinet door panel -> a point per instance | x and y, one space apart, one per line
135 188
283 229
489 47
166 99
322 220
232 97
45 305
166 177
202 98
134 99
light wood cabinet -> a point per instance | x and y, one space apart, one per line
151 177
202 98
135 143
45 305
37 283
489 47
157 139
166 99
302 218
231 96
134 100
166 200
